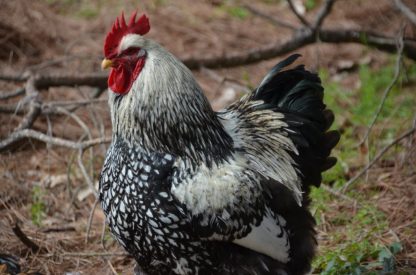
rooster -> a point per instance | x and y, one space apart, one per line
187 190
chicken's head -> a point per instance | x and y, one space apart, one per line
124 53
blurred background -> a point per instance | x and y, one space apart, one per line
365 53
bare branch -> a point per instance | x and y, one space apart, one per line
388 89
90 218
32 95
25 240
84 173
113 270
15 78
58 229
10 109
338 194
77 103
299 40
102 239
275 21
7 95
376 158
298 15
90 254
93 80
29 133
49 108
406 11
323 13
223 80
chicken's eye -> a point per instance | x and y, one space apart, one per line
141 53
130 51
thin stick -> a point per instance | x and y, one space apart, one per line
85 174
338 194
75 102
376 158
32 94
103 234
223 80
48 108
91 254
29 133
113 270
25 240
389 87
323 12
90 218
7 95
298 15
273 20
406 11
58 229
14 78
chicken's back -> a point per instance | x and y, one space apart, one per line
282 129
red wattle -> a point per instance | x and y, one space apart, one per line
122 77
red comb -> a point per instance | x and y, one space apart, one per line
120 29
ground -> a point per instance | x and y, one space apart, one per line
369 228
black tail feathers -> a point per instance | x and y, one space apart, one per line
298 94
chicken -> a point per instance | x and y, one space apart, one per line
187 190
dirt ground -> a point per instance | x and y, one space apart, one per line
43 184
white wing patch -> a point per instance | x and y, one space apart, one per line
210 190
268 238
263 136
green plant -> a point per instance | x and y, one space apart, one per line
38 207
310 4
353 234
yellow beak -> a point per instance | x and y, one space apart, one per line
107 63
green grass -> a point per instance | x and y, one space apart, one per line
79 8
354 244
233 10
354 110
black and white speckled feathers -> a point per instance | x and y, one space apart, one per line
189 191
163 234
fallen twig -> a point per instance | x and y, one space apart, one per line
7 95
113 270
90 254
32 96
76 102
389 87
90 218
58 229
275 21
25 240
48 108
84 172
406 11
339 194
14 78
376 158
29 133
